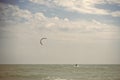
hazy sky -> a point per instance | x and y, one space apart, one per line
78 31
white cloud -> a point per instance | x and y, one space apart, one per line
10 12
113 1
81 6
39 22
84 6
116 14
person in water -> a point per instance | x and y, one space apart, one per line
76 65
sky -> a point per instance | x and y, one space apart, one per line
77 31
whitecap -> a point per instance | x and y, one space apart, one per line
60 79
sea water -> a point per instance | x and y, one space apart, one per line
59 72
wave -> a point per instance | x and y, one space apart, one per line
56 78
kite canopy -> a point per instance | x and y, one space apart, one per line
42 40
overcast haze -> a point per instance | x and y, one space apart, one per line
77 31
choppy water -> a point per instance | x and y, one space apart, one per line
59 72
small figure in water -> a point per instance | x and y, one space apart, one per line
76 65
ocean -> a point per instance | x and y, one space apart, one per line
59 72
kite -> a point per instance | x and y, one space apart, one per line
42 40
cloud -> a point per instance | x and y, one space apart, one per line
114 1
116 14
10 12
38 22
82 6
